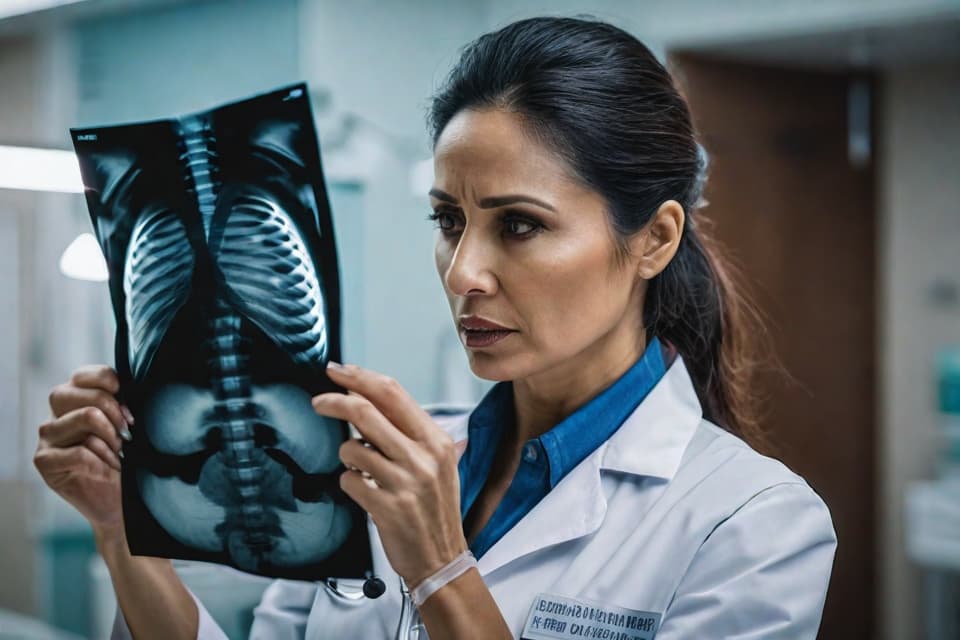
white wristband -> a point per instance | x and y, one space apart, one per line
453 569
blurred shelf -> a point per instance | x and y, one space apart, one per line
932 533
932 524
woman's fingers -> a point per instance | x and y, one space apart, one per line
56 463
386 394
68 397
96 376
371 499
414 500
80 448
397 406
103 451
75 426
372 425
359 457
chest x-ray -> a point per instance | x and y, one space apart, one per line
223 276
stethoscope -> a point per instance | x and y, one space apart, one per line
373 588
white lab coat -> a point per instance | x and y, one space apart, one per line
671 515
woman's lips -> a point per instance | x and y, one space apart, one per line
475 338
477 331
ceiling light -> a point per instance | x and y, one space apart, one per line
10 8
39 170
83 260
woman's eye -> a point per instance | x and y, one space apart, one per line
444 221
517 226
513 225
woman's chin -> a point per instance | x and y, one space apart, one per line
488 366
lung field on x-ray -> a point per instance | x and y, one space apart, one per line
223 277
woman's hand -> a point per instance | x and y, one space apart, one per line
415 502
79 450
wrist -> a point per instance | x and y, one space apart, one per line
464 609
446 556
446 574
452 594
110 539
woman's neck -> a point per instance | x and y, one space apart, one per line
543 400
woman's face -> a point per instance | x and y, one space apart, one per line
524 245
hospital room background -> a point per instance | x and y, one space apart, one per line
834 133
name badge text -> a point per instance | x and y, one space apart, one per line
554 617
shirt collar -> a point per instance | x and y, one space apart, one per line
587 428
652 438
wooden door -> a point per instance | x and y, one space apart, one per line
799 219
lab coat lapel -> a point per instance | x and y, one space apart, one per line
574 508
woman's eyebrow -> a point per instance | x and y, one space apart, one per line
443 195
502 201
494 201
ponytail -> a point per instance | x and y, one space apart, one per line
695 305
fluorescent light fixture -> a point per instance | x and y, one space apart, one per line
10 8
83 260
39 170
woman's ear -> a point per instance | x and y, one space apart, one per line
656 244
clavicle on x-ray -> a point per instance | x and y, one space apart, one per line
223 276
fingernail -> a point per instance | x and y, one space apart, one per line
120 453
128 416
334 365
125 434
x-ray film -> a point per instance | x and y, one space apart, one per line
218 238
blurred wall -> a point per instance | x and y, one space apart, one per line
37 93
19 68
169 61
382 60
918 245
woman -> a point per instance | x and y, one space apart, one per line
604 485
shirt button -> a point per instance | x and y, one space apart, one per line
530 452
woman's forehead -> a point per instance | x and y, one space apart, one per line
489 149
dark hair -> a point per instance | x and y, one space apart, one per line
598 97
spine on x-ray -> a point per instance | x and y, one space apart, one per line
248 524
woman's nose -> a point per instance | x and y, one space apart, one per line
469 271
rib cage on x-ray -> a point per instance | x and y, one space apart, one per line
227 320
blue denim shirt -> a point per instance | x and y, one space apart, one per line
545 460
